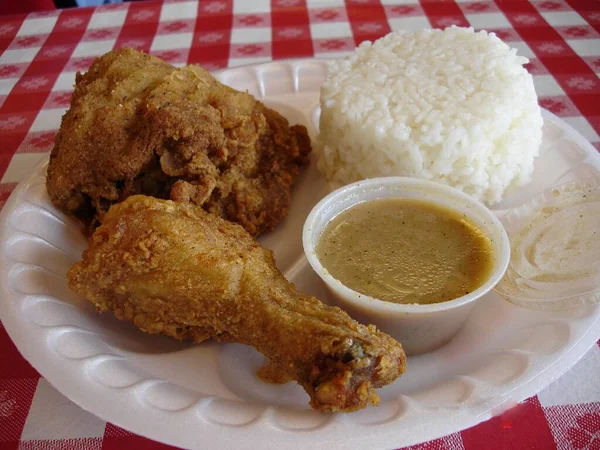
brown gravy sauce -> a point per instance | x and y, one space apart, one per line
406 251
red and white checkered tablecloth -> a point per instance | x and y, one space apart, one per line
40 54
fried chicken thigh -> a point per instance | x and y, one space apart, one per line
137 125
174 269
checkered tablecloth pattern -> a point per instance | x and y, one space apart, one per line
41 53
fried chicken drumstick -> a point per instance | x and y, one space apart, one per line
137 125
174 269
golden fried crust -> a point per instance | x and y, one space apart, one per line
137 125
172 268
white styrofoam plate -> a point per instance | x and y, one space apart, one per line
188 395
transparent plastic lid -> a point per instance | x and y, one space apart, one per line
555 248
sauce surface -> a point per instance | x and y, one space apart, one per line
406 251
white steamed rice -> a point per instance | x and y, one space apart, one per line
454 106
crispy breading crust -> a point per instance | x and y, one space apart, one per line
137 125
174 269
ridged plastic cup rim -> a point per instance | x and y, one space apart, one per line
355 189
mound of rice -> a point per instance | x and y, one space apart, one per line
452 106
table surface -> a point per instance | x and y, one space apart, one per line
41 53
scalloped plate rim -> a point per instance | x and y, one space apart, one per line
79 393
